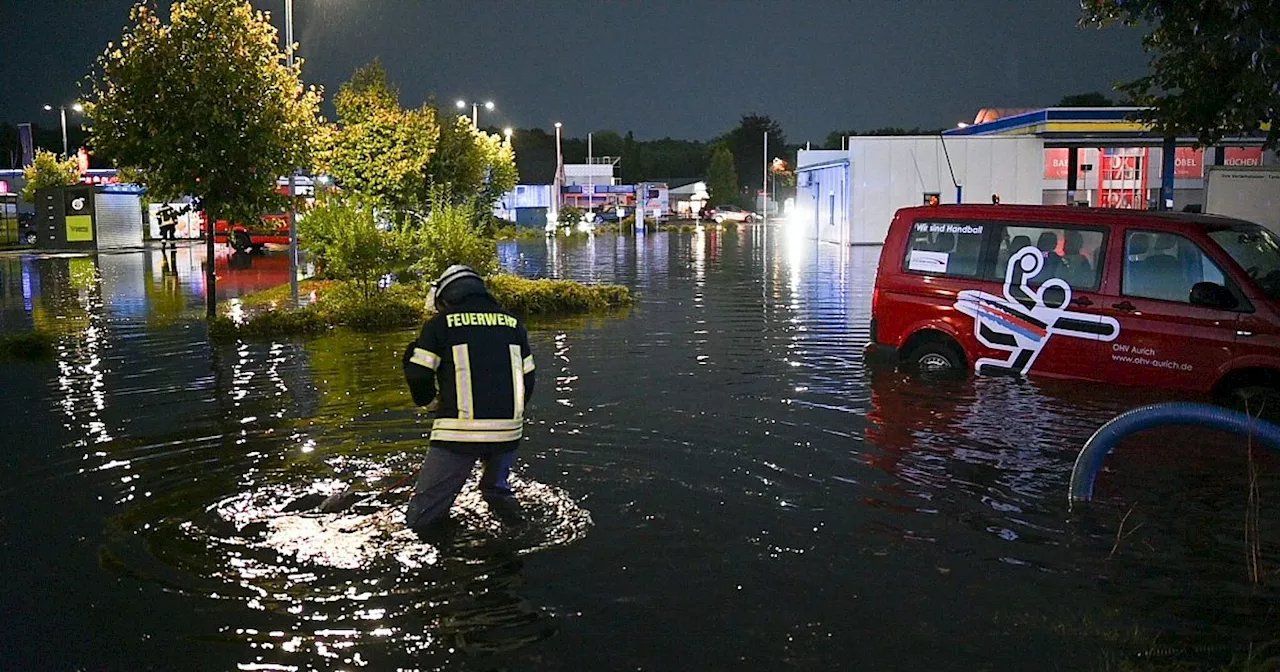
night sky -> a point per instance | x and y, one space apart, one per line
678 68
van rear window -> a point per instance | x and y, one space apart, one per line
945 248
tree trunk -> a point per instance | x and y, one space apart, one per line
210 277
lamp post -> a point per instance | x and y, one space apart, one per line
62 109
559 170
475 110
293 217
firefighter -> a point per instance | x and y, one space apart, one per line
479 354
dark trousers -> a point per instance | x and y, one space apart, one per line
442 476
168 231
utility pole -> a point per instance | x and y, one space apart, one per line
293 216
765 187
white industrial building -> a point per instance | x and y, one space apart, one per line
1099 157
849 196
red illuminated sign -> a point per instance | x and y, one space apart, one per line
1055 163
1188 163
1243 156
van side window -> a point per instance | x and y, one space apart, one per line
1165 266
945 248
1071 253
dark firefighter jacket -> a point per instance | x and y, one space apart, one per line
479 354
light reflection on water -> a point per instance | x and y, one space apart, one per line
716 469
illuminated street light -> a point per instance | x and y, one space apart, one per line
62 111
507 132
475 110
559 172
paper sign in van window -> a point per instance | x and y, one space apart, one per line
928 262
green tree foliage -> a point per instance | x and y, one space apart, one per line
348 243
722 180
451 236
1091 99
640 160
1214 65
47 171
499 158
204 105
746 142
377 149
470 164
569 216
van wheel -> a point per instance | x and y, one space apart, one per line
934 357
240 241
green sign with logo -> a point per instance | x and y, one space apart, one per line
79 228
78 209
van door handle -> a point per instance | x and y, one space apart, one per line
1082 301
1124 305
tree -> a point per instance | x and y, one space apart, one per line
722 180
1214 64
1091 99
746 142
47 171
378 149
470 164
204 106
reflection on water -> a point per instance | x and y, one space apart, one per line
713 481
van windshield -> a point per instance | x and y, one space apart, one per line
1257 251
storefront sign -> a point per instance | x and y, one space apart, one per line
1243 156
1055 163
1188 163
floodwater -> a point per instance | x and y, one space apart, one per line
713 479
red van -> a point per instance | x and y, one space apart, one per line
1126 297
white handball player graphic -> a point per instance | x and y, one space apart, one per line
1021 322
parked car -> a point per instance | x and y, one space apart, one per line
730 213
609 216
1171 300
27 227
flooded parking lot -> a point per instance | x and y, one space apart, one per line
715 482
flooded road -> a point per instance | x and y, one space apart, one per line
714 482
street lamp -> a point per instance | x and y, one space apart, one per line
475 110
62 109
559 170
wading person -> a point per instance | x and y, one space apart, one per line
472 364
168 223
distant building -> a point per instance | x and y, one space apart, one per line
688 198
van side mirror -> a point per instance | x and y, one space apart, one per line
1212 295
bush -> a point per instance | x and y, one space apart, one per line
349 245
518 233
27 346
396 307
345 304
451 236
569 216
308 320
47 171
541 297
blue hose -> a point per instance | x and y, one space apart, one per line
1160 415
